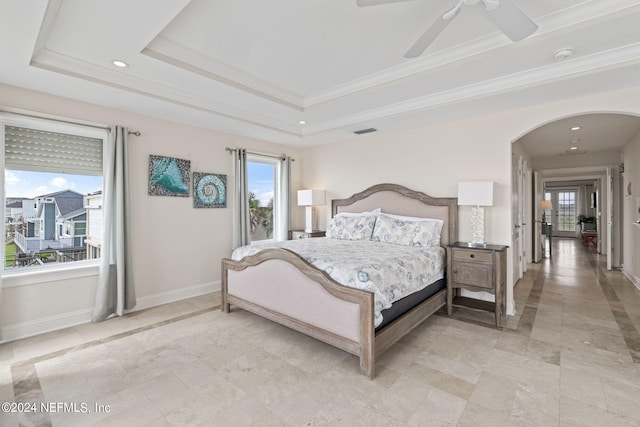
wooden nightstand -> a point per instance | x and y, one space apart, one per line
479 270
301 234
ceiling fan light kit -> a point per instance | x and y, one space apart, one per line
503 14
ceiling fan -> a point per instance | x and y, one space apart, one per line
504 15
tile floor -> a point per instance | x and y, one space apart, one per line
570 357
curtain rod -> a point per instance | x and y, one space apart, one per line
231 150
70 122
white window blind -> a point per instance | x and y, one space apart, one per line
43 151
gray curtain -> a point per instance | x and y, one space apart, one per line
241 202
115 292
1 291
285 197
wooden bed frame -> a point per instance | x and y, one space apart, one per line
281 286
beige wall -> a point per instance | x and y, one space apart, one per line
631 204
434 159
177 249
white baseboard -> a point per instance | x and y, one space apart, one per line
66 320
46 324
634 279
177 295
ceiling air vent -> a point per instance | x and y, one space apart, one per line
360 132
573 152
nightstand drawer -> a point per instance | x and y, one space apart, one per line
473 274
472 255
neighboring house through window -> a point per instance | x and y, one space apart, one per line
52 176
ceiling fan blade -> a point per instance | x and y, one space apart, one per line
363 3
429 36
511 21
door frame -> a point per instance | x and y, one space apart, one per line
598 173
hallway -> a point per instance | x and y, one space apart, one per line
574 313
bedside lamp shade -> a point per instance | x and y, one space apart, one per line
545 205
311 199
476 194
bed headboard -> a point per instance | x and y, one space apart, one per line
399 200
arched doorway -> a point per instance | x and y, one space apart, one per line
565 156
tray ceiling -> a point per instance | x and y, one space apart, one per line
258 68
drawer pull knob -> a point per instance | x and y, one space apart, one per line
472 255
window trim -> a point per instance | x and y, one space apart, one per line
62 271
35 275
277 168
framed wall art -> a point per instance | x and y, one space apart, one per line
209 190
169 176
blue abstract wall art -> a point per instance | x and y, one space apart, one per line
209 190
169 176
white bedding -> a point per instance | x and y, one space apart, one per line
390 271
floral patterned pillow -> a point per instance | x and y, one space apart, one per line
351 227
408 233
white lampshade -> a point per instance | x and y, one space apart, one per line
546 205
310 197
479 193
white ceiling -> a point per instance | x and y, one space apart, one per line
596 133
256 68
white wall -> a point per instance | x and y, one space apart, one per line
631 204
177 249
434 159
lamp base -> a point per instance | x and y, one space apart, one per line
311 219
477 227
476 245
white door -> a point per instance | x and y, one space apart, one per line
536 227
609 216
516 197
564 212
526 218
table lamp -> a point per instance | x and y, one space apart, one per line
476 194
310 199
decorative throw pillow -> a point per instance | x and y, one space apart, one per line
408 233
351 227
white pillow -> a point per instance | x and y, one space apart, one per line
374 212
416 218
411 218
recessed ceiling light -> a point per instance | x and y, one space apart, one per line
575 147
302 122
575 128
119 63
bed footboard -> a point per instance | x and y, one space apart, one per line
278 284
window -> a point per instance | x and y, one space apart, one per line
566 211
49 170
563 214
263 182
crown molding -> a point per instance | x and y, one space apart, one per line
546 25
583 65
189 60
56 62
